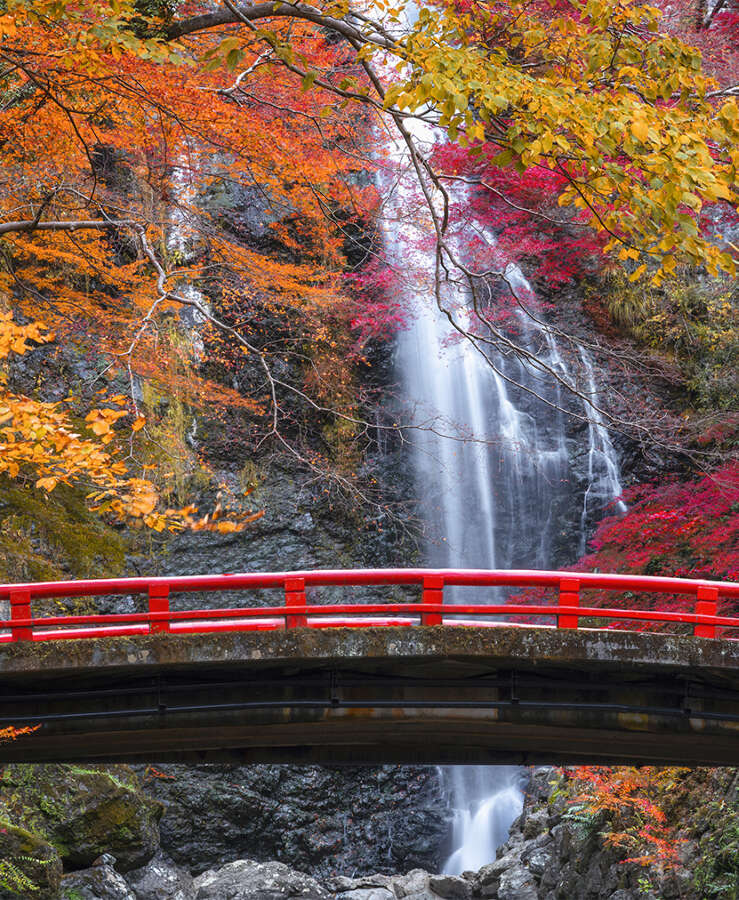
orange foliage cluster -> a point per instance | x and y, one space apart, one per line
42 438
629 799
101 124
10 732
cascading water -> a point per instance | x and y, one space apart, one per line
491 468
489 457
604 479
487 799
181 236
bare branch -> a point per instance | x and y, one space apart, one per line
28 225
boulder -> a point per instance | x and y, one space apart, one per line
485 882
100 882
366 893
539 861
161 879
535 823
245 879
83 812
369 887
450 887
29 865
414 885
517 883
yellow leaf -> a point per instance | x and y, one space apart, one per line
640 129
144 504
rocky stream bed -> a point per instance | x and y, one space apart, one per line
115 834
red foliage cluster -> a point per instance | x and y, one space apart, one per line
687 529
375 311
520 212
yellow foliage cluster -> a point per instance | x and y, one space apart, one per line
597 95
41 441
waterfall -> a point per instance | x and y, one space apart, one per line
490 464
181 238
604 479
488 799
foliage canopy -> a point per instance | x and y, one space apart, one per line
128 114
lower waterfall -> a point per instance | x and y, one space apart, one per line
486 800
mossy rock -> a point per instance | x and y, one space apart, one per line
84 812
30 867
47 537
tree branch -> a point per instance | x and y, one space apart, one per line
232 15
28 225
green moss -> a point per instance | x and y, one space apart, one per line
81 812
694 321
45 537
51 807
717 873
71 894
102 772
28 838
29 865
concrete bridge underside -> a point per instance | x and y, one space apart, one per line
372 695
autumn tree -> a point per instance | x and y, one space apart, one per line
682 323
113 138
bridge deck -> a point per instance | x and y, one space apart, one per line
376 694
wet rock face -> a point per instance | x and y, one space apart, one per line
100 882
300 529
83 813
325 821
161 879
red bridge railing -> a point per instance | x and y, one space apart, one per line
295 610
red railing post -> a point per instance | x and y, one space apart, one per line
295 596
159 602
569 595
20 608
706 604
433 592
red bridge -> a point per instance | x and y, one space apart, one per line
307 678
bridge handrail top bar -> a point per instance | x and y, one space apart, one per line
362 577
